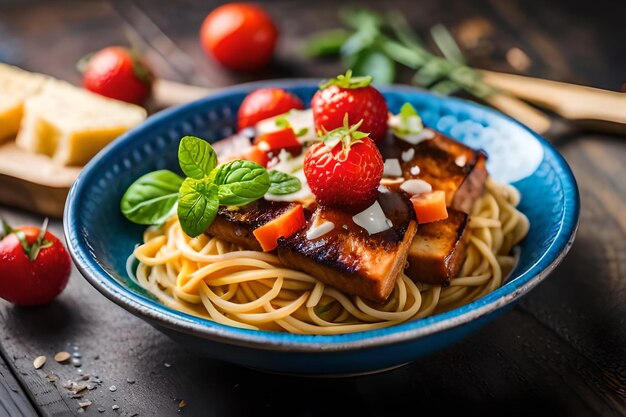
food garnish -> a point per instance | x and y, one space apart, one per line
34 265
354 96
284 225
263 103
240 36
430 206
345 168
155 196
118 72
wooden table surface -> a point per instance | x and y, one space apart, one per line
560 352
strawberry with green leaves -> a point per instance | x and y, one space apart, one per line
345 168
354 96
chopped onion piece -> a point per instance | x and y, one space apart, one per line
319 229
408 154
372 219
392 168
415 187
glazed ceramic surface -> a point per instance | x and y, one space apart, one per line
100 239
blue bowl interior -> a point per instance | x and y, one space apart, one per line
101 239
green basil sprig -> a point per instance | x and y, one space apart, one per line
155 196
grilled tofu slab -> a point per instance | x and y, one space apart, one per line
437 251
444 163
236 224
347 257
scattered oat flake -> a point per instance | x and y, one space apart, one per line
39 361
85 404
182 404
167 365
115 407
101 409
112 388
130 380
62 357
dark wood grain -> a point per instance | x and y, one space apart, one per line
13 400
560 352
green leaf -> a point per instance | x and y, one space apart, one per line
446 44
325 43
240 182
197 205
151 198
282 183
302 132
375 64
282 122
347 81
196 157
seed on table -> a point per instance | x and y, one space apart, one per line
130 380
62 357
39 361
101 409
115 407
76 362
112 388
182 404
76 355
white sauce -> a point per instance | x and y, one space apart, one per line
372 219
319 229
414 170
415 187
408 154
392 168
461 160
416 138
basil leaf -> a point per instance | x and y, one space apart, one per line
240 182
197 205
196 157
282 183
151 198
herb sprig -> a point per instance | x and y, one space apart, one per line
375 44
156 196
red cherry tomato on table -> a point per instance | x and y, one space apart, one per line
265 103
117 72
37 274
240 36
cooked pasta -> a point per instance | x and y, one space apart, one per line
210 278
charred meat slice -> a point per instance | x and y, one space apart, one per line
347 257
236 224
438 250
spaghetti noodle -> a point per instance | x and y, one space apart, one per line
210 278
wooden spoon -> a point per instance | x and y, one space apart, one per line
591 107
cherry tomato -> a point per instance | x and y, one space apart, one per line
34 275
117 72
240 36
264 103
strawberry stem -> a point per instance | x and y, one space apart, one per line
348 81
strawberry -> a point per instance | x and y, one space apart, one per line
344 169
354 96
265 103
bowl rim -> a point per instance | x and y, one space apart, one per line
157 313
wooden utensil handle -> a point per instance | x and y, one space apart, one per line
571 101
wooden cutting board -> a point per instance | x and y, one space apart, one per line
35 183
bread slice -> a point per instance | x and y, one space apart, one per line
71 124
16 85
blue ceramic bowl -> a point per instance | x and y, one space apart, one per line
100 238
